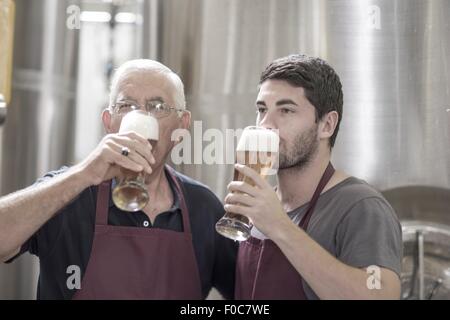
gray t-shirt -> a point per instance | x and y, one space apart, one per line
355 224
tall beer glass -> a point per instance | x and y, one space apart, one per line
130 193
257 149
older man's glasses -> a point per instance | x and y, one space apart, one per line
158 109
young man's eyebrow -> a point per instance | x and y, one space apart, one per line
286 101
279 102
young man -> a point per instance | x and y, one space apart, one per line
321 233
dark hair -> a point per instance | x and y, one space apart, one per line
320 82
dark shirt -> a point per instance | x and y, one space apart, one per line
66 239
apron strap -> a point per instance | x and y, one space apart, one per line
329 171
326 176
180 193
101 215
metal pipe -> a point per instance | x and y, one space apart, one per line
420 253
2 109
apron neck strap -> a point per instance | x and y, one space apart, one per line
103 191
326 176
180 193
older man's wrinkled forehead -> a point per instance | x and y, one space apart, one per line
144 85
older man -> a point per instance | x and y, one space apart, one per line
169 250
321 233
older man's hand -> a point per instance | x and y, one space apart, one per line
260 203
107 159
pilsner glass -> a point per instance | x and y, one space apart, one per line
257 149
130 193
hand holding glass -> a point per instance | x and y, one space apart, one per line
130 193
257 149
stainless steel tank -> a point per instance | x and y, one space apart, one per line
392 57
38 133
426 261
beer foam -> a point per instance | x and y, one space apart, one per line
258 139
141 123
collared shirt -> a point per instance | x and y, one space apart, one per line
66 239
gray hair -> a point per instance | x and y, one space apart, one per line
148 66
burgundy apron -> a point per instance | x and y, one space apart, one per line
262 270
140 263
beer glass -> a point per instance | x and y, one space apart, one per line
130 193
257 149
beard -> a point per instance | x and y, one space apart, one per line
301 151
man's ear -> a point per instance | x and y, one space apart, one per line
106 119
186 120
328 124
185 124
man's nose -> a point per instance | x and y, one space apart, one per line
268 121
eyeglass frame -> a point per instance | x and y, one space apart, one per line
113 108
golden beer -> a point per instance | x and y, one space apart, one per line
257 149
130 193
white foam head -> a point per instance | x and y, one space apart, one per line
141 123
258 139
